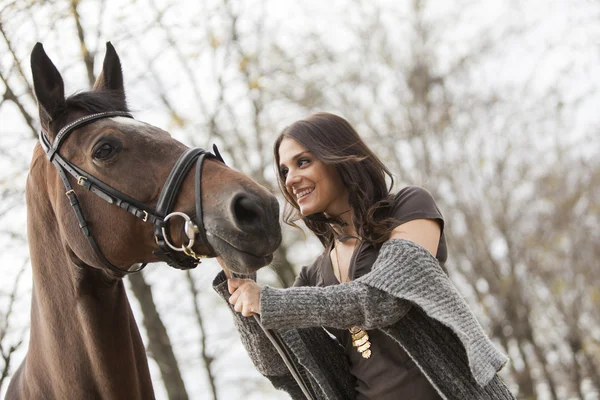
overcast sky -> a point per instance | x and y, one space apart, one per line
555 47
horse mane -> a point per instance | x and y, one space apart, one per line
97 101
91 102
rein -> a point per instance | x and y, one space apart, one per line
281 348
167 252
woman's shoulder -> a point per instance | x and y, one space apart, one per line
414 201
415 193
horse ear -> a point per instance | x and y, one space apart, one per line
111 77
48 86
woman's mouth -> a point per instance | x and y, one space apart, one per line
301 195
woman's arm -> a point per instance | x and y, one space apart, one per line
338 306
424 232
259 347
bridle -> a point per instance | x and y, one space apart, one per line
179 257
159 217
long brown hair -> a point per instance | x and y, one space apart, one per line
334 141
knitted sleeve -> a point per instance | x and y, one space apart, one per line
338 306
407 270
261 351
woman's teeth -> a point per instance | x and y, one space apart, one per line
303 193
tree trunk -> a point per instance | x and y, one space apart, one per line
88 58
159 344
205 356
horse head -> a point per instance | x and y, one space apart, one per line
108 158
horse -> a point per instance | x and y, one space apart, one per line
92 156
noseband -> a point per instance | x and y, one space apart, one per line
179 257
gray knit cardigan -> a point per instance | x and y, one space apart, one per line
407 296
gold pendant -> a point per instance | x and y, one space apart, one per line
360 340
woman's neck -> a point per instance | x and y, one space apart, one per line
347 229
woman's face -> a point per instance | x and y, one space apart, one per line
314 185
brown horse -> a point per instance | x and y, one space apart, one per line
84 342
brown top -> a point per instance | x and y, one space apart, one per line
389 373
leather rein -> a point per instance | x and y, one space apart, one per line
179 257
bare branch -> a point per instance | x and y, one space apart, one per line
10 95
17 62
4 328
88 57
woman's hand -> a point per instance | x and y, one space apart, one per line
245 296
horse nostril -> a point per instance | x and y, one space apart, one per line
246 211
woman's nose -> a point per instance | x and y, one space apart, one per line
292 178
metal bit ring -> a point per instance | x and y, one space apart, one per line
190 229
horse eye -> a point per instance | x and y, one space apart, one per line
104 151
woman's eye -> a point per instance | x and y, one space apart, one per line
284 172
302 162
104 151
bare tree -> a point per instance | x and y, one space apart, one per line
508 163
9 345
433 127
208 360
159 343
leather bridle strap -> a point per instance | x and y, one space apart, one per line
67 129
166 201
198 192
113 196
88 181
94 185
175 179
198 195
74 201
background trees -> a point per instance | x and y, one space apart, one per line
492 106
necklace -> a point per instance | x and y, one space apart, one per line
337 262
360 337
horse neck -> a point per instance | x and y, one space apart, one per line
82 326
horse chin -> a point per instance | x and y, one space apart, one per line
238 261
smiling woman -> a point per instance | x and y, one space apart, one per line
314 185
395 325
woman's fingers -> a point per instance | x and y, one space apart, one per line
245 296
234 297
234 283
247 310
242 304
237 307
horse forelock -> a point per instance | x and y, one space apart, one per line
97 101
90 102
